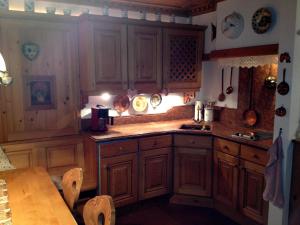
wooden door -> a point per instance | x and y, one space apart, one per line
182 59
193 172
226 179
57 62
145 58
155 177
251 186
119 178
103 56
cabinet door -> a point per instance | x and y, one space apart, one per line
155 173
183 51
119 178
251 189
226 179
145 58
193 172
37 109
103 56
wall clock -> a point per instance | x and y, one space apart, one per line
233 25
262 20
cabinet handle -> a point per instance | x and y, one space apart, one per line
121 148
155 143
255 156
193 142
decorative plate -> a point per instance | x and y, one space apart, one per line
30 50
121 103
262 20
140 104
233 25
155 100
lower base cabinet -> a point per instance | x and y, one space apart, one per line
239 182
226 174
119 178
192 172
251 186
155 173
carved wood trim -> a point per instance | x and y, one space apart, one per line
186 9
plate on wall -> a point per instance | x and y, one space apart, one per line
155 100
262 20
232 25
140 104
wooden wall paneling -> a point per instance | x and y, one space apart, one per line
182 55
90 172
103 56
145 58
57 57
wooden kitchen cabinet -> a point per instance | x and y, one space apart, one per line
239 181
251 186
182 59
193 165
155 173
119 178
103 56
226 172
57 61
145 58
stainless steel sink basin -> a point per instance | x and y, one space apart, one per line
195 127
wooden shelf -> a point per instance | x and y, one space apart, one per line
242 52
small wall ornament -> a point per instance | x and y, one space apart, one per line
30 50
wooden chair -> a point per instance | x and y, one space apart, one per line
71 185
97 207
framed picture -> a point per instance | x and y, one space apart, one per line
40 92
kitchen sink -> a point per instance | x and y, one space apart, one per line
195 127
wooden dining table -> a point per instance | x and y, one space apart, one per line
34 199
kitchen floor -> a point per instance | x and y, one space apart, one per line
160 212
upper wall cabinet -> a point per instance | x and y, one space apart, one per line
41 54
103 56
183 51
145 58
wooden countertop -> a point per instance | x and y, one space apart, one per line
165 127
34 200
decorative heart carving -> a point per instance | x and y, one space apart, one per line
30 50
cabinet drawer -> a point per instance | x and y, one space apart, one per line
254 155
228 147
193 141
155 142
118 148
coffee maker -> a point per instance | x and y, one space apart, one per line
100 118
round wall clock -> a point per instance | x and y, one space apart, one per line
233 25
262 20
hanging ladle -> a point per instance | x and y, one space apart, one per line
229 90
222 95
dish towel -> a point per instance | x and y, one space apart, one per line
273 175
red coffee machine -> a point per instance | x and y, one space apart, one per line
100 119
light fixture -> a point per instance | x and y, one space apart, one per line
5 79
105 96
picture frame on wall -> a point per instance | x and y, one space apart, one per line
40 92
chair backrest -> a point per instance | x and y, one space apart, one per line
98 206
71 185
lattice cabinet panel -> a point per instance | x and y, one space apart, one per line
182 59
